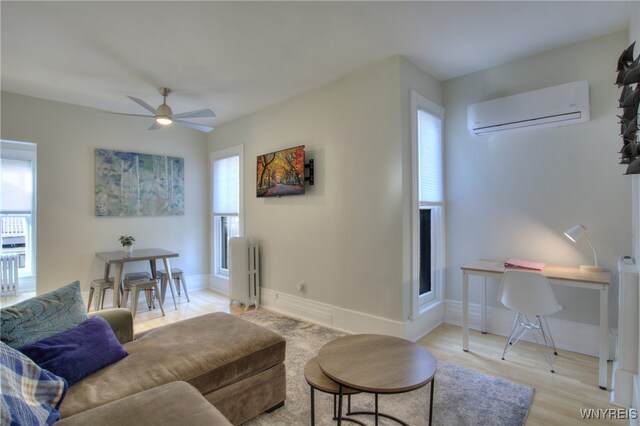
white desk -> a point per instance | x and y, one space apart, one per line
569 276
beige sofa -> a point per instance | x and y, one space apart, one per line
235 365
176 403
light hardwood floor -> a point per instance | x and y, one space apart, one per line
558 397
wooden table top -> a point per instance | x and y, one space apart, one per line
568 273
316 378
136 255
377 364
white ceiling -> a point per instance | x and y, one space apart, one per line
239 57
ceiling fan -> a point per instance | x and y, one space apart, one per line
164 116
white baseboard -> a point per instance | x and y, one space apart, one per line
349 320
621 386
425 323
197 282
568 335
218 285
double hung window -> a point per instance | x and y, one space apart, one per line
428 202
226 207
17 212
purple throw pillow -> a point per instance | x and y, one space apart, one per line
78 352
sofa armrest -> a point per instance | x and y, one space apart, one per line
120 320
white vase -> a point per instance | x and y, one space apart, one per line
128 249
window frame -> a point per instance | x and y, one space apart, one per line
422 303
26 151
218 272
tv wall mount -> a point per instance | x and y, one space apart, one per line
308 168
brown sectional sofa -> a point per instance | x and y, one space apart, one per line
236 365
176 403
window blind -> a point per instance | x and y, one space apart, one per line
429 158
17 185
226 186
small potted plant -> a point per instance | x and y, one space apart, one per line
127 243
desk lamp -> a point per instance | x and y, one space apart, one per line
574 233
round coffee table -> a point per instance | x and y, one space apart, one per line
377 364
317 380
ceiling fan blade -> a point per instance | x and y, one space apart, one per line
143 104
201 113
200 127
131 115
154 126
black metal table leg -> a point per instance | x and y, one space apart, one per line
313 408
376 409
340 405
433 383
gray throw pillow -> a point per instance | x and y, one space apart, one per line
42 316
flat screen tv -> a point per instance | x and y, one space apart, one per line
281 173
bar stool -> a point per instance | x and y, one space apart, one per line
318 380
132 276
178 277
136 286
101 286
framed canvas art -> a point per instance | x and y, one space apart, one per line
280 173
134 184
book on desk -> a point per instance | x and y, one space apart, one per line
524 264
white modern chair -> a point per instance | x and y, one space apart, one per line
531 296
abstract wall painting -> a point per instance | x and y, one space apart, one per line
133 184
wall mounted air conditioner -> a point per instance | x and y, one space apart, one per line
551 107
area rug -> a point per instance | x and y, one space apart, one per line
462 396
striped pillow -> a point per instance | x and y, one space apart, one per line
42 316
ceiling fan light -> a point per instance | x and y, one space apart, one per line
163 120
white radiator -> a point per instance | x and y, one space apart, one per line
625 365
244 271
9 280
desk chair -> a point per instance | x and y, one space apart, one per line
530 295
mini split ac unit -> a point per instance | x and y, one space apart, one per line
551 107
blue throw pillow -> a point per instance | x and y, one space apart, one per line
42 316
78 352
30 395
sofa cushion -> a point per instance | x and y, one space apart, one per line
176 403
77 352
208 352
42 316
30 395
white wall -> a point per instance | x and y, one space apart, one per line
634 35
344 238
514 195
69 234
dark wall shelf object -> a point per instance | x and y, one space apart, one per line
629 79
310 172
